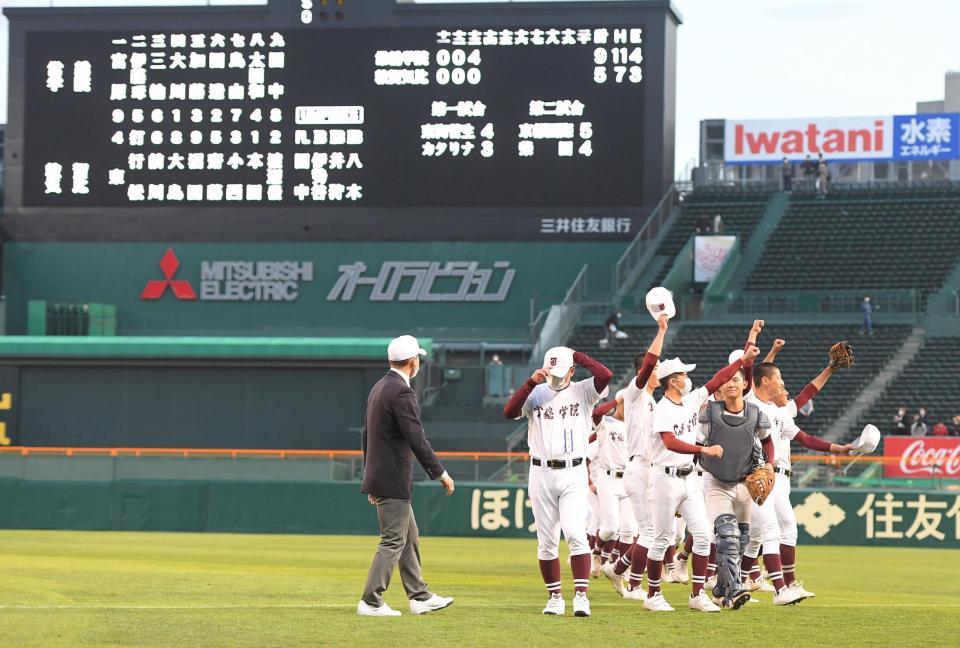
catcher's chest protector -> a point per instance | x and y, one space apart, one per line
735 435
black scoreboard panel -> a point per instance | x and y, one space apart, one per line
456 124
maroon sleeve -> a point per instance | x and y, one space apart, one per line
812 442
723 376
747 370
676 445
601 375
593 437
809 391
601 410
767 445
514 406
649 362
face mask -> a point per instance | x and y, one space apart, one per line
558 384
687 386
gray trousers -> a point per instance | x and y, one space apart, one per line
399 543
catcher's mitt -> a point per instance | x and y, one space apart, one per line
841 355
760 483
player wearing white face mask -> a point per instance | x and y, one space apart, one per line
674 434
558 413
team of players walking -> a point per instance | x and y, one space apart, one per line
628 480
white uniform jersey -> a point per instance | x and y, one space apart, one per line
682 420
782 427
638 408
613 452
560 422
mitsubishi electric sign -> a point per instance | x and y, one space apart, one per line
232 281
902 138
281 281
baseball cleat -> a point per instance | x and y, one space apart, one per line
581 605
670 576
710 583
657 603
751 585
635 594
701 603
556 606
680 569
767 586
432 604
365 609
615 578
799 585
737 600
789 596
596 568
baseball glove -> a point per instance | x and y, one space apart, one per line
841 355
760 483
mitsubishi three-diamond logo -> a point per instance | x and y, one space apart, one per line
818 514
181 288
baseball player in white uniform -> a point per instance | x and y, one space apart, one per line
616 514
638 406
559 412
674 435
775 518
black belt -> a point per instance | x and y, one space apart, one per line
681 471
557 463
615 473
782 471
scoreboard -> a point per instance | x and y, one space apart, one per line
387 122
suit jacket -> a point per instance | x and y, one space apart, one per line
392 436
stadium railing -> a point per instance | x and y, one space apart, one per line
809 470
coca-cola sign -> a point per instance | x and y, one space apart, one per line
920 457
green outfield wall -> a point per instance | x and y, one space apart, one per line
838 517
448 290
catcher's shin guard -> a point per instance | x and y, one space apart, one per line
744 537
729 542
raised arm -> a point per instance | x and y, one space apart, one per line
653 353
813 387
514 406
774 350
601 375
727 372
748 364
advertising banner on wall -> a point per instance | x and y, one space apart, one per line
901 138
709 253
922 457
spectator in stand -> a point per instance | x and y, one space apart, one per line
611 328
809 169
823 177
924 418
900 422
939 429
867 307
787 172
956 425
717 224
919 428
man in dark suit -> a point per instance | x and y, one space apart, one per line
392 436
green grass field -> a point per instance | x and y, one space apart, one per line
164 589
